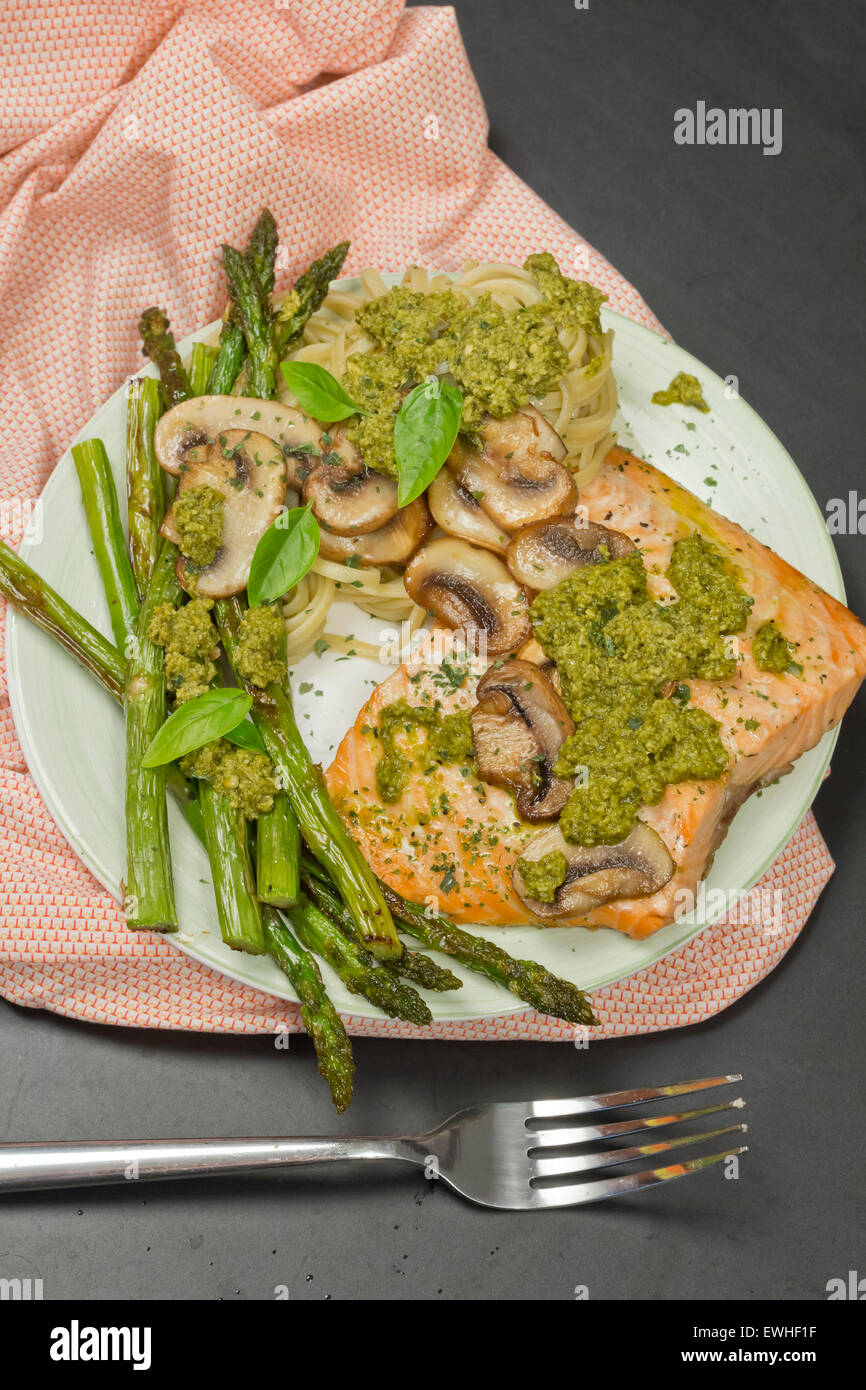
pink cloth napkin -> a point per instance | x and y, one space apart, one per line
135 137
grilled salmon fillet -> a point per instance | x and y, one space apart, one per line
453 841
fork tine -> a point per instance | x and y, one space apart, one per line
577 1194
563 1167
555 1109
560 1138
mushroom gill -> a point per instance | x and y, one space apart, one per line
636 867
471 590
392 544
347 497
516 475
547 552
458 513
201 421
518 726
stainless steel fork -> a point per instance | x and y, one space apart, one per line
496 1155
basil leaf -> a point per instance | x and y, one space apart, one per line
424 434
247 736
198 721
284 554
317 392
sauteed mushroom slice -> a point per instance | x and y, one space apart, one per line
199 423
519 725
516 474
547 552
346 497
249 472
391 544
458 513
470 589
636 867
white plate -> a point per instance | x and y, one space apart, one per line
72 736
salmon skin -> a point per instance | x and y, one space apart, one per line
452 841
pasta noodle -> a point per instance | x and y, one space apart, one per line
581 409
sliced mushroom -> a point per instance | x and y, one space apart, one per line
519 725
469 589
549 551
348 498
200 422
635 868
458 513
516 475
391 544
249 472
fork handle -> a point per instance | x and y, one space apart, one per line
26 1167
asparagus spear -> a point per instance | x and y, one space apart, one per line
201 364
230 359
262 251
158 344
254 315
225 832
358 970
412 965
31 595
525 978
321 1020
149 891
290 318
145 480
103 519
278 850
320 825
35 599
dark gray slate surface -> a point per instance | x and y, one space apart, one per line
752 263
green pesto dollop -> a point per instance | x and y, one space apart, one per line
499 358
618 652
773 652
448 740
684 389
575 303
191 645
245 778
542 877
198 516
261 649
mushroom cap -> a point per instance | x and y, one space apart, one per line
458 513
636 867
518 726
201 420
545 553
470 589
348 498
516 475
249 472
392 544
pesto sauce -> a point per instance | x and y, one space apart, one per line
191 645
261 649
198 516
246 779
542 877
448 740
685 389
499 358
617 650
773 652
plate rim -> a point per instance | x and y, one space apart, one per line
366 1011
